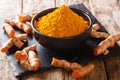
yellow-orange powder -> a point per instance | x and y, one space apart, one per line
62 22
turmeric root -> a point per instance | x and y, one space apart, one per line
22 26
13 41
23 55
78 70
33 14
10 21
65 64
94 33
10 43
82 71
30 48
32 62
95 26
18 43
9 30
105 44
26 65
27 28
7 45
22 37
28 58
25 18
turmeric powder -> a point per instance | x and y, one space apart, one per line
62 22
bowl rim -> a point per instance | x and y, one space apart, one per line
70 37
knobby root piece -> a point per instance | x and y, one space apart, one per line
26 65
22 26
109 42
78 70
65 64
75 66
7 45
27 28
9 30
25 18
94 33
10 21
97 34
105 52
22 37
32 63
23 55
85 70
34 60
30 48
33 14
16 41
95 26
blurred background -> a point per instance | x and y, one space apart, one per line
12 7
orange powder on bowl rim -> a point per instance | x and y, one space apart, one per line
62 22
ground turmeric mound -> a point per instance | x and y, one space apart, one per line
62 22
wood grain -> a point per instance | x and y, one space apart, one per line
113 68
7 8
37 5
61 2
5 69
96 73
57 74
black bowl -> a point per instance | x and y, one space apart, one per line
62 44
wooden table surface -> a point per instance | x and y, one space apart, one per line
107 12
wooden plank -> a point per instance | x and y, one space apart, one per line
57 74
68 75
107 13
61 2
7 8
113 68
5 69
19 6
37 5
98 72
85 2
